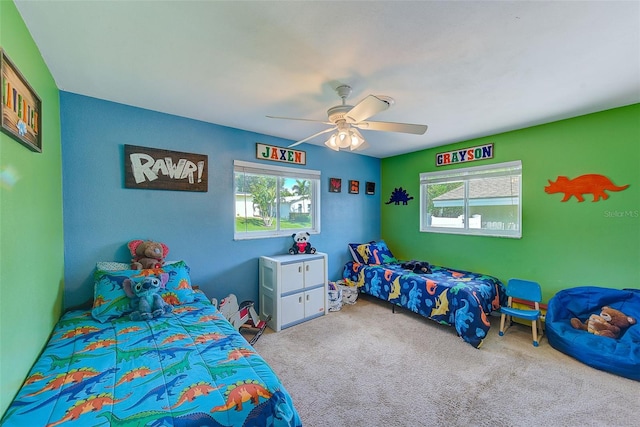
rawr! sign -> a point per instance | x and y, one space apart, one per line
156 169
463 155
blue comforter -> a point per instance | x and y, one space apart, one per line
186 369
451 297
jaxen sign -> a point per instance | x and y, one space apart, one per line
480 152
279 154
156 169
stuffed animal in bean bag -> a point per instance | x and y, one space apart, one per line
609 323
301 244
417 266
147 254
146 301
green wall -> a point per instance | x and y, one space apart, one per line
31 234
563 245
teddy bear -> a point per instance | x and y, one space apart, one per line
609 323
417 266
301 244
146 301
147 254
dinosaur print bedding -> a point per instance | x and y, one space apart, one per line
189 368
453 297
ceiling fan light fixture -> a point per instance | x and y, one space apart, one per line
332 143
343 135
357 140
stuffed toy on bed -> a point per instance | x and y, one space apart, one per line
147 254
146 301
417 267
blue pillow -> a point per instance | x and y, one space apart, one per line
111 302
371 253
353 248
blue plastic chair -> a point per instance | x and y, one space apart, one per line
524 290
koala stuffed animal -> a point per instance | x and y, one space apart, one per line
609 323
146 301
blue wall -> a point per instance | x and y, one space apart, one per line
101 216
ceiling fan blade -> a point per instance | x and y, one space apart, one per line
368 107
312 136
304 120
393 127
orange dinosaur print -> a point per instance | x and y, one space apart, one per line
205 338
73 376
387 274
190 393
98 344
133 374
431 287
171 298
173 338
495 304
482 313
150 272
99 301
129 329
456 274
585 184
85 406
184 284
183 309
79 331
241 392
375 255
38 376
238 353
208 318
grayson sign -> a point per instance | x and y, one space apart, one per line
157 169
480 152
279 154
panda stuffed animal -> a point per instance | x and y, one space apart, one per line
301 244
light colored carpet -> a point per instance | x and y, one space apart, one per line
365 366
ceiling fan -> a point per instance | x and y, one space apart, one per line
347 119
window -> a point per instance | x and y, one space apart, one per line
275 201
482 200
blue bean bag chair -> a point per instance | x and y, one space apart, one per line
621 356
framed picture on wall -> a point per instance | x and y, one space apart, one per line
335 185
370 187
354 186
21 108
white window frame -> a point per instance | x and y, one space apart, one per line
465 175
279 172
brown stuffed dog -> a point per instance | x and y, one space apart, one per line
609 323
147 254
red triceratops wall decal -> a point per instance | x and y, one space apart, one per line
585 184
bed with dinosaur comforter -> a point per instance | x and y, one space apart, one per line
458 298
190 367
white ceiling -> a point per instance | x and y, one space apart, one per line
467 69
